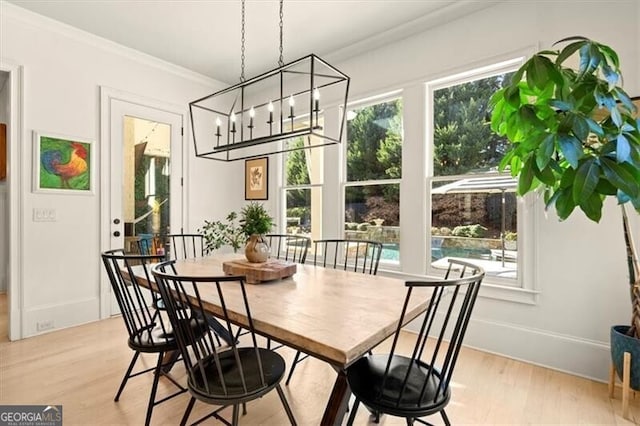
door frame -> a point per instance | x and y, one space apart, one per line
16 175
107 96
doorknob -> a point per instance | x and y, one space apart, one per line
116 221
116 234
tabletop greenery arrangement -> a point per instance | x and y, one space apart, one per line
236 228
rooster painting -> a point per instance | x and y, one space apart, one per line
64 164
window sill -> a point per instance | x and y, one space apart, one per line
488 289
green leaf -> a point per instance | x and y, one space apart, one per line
506 160
605 187
580 127
551 200
594 127
610 75
517 76
586 180
616 116
545 175
569 50
585 59
560 105
564 204
623 149
569 175
526 176
512 96
620 177
592 207
545 152
571 149
537 72
610 54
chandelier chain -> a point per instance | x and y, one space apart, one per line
242 47
281 60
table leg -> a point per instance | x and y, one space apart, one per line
338 401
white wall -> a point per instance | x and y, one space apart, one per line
63 72
4 230
579 267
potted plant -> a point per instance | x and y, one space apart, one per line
574 136
254 223
223 233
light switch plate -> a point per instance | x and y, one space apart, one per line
44 215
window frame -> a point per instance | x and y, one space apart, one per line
502 288
345 183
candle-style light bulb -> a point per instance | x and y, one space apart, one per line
316 100
218 123
270 122
252 113
233 121
292 102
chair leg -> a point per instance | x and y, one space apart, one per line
154 388
126 375
287 408
445 418
293 367
187 412
354 410
234 420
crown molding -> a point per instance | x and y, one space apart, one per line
445 14
12 11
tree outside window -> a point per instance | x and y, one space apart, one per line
473 207
374 170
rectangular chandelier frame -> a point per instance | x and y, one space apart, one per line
251 118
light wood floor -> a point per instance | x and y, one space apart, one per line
81 368
4 315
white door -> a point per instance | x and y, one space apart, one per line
143 177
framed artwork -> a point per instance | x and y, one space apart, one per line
62 164
256 181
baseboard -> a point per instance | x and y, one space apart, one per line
581 357
56 317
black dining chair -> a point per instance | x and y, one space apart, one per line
190 246
350 255
228 376
185 246
148 332
289 247
418 384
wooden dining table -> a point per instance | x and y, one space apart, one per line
331 314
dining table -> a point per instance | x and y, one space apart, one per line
334 315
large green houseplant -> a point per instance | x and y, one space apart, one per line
574 136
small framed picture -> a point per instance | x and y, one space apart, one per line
256 179
62 164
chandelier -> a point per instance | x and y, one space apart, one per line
278 111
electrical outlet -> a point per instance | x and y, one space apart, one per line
44 325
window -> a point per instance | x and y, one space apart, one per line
373 173
302 189
474 211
